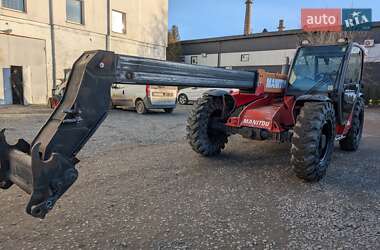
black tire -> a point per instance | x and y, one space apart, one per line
5 184
313 140
352 140
169 110
203 139
182 99
140 107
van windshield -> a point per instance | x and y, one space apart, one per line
316 68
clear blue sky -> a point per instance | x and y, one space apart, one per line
212 18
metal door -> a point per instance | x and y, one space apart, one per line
17 85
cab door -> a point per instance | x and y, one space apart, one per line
352 82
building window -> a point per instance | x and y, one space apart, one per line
245 58
194 60
14 4
119 22
74 11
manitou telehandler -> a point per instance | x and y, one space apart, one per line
318 102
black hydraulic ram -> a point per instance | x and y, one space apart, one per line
45 168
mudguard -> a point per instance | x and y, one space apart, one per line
228 100
312 98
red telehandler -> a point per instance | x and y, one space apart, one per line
318 102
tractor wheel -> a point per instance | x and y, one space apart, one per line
352 140
313 140
205 126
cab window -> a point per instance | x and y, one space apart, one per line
354 70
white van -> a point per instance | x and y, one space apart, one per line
144 97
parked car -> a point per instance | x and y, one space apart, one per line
143 98
190 95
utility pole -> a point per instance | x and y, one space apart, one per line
52 38
108 36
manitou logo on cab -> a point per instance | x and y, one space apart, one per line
256 123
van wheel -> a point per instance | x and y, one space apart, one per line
140 107
169 110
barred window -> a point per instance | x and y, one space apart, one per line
14 4
74 11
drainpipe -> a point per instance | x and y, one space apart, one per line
108 36
52 38
219 54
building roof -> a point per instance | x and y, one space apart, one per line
255 35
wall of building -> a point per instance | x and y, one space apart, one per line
32 58
146 35
19 47
146 29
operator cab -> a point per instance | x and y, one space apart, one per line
334 71
316 69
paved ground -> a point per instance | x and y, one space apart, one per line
142 187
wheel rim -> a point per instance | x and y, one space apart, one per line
325 140
182 99
139 107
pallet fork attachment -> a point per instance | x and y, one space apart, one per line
45 169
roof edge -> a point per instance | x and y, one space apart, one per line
255 35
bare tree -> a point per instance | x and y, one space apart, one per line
326 37
174 50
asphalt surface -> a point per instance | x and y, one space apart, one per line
142 187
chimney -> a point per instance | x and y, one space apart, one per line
281 26
248 15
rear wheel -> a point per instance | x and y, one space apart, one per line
140 107
205 126
182 99
169 110
352 140
313 140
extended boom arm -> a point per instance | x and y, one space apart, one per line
46 167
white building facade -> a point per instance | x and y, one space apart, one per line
40 39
